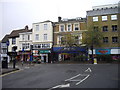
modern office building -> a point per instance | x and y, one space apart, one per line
107 19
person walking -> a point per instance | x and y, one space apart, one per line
22 62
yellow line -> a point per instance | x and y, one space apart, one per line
9 73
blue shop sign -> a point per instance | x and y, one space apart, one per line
68 50
103 51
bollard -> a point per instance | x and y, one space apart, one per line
95 60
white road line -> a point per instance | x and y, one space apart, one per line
75 80
83 80
88 70
72 77
60 86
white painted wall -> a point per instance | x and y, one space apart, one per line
21 41
41 33
12 45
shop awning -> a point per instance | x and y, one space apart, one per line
69 49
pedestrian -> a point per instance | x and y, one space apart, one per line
22 62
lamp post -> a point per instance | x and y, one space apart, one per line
14 54
31 52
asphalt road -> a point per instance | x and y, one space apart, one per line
53 76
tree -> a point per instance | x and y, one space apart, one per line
70 41
92 38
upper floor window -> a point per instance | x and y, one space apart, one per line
45 36
37 27
113 17
105 28
25 45
95 18
13 40
114 28
45 26
23 37
114 39
28 37
105 39
95 28
62 28
104 18
38 46
36 36
69 27
60 39
76 27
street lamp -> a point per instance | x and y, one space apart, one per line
31 52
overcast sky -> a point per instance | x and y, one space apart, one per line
15 14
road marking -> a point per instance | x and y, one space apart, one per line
60 86
83 80
9 73
72 77
88 70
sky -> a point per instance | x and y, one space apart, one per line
16 14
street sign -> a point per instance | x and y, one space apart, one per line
7 43
45 51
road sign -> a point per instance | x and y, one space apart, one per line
45 51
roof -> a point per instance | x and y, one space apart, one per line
15 33
5 39
79 19
43 22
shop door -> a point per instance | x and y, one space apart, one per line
44 59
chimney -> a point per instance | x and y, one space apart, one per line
26 27
59 19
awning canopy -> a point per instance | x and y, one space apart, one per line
69 49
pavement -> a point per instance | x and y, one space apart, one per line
18 66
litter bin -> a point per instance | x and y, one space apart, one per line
5 63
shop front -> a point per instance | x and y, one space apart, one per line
45 56
63 53
24 56
42 55
114 53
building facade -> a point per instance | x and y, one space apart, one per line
65 27
4 49
25 43
107 19
15 43
42 41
